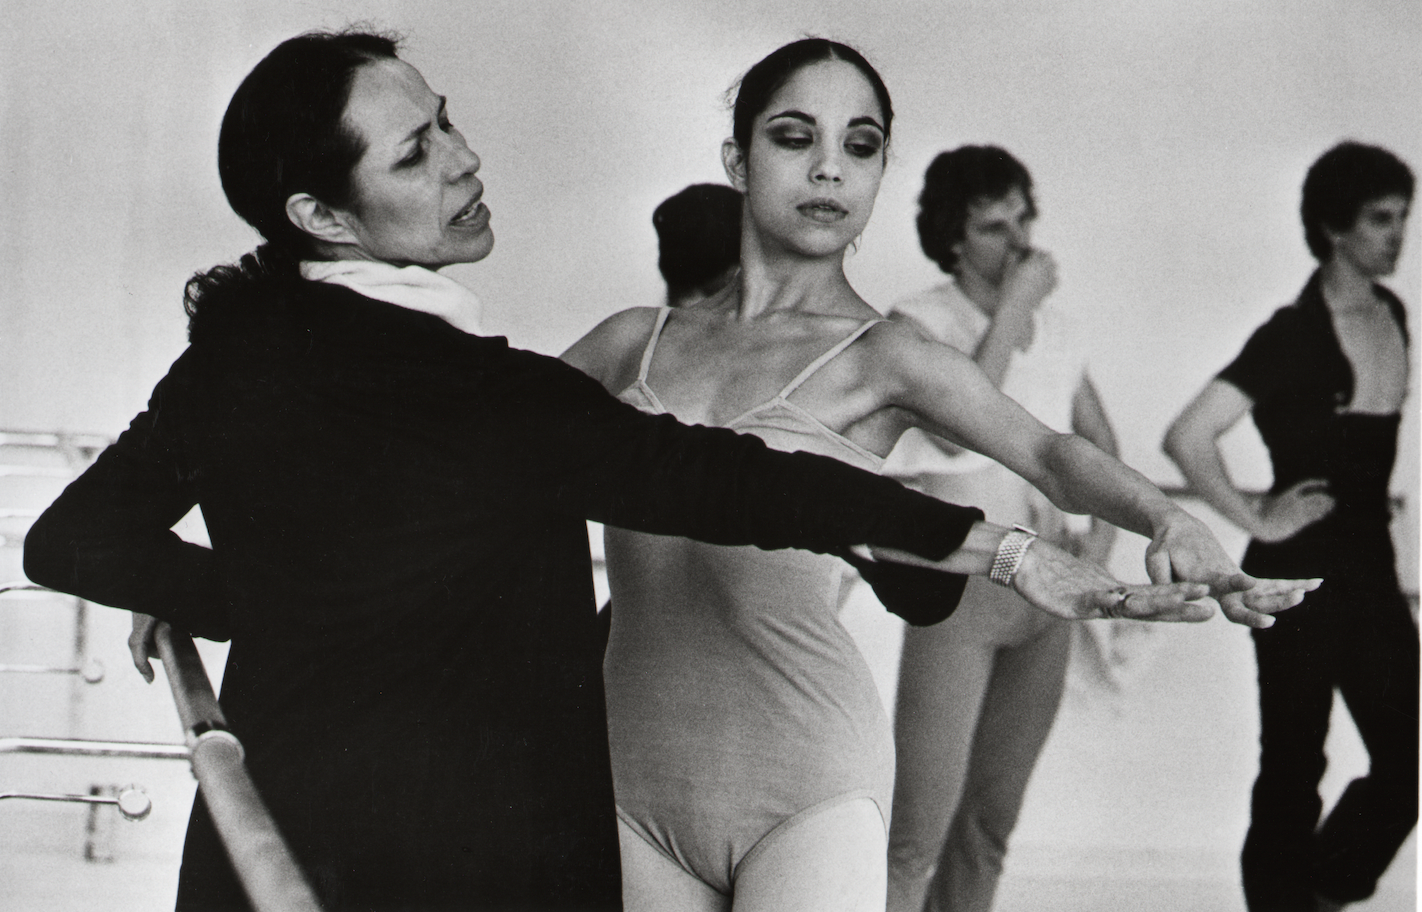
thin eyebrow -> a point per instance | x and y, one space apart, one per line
424 128
793 115
806 118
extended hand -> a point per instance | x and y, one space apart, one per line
1068 587
141 644
1284 515
1185 550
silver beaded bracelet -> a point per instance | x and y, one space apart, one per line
1009 555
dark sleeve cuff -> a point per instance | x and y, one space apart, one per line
917 594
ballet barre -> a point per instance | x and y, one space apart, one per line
259 854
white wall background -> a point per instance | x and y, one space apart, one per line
1168 142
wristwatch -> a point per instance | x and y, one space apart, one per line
1009 555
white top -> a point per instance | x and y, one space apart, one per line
1043 379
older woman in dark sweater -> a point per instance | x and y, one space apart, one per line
397 511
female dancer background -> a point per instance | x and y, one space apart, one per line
751 755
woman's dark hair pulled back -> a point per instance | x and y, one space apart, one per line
762 81
284 133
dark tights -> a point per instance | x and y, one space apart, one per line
1360 640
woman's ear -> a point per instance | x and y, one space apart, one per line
734 161
321 222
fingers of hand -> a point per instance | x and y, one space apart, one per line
137 647
1318 506
1169 602
1238 581
1158 565
1272 595
1234 608
141 644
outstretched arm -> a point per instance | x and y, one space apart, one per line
1089 420
949 396
1192 442
1053 580
1066 586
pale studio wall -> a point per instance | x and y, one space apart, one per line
1168 142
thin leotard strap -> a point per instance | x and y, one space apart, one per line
828 356
652 344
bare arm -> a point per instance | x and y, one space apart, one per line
1051 579
1192 442
1060 584
947 395
1089 420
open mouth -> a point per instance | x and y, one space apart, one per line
822 210
474 214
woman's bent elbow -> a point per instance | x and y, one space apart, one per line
46 562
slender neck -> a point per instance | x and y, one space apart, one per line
1345 287
775 279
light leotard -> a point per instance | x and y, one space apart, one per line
737 704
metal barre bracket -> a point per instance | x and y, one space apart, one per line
133 802
74 747
91 671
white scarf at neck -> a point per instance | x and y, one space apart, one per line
411 287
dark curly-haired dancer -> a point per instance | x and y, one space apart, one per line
1325 380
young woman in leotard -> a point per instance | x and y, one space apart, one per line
752 759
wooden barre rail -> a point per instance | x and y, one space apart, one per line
259 854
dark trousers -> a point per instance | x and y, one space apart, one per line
1359 639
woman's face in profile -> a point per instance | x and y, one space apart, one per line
415 199
816 159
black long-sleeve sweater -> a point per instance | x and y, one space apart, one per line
400 560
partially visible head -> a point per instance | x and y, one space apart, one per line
699 239
966 180
810 132
760 83
1341 193
334 148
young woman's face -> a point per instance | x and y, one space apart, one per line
415 199
815 160
996 234
1374 243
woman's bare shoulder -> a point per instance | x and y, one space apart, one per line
902 354
606 351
